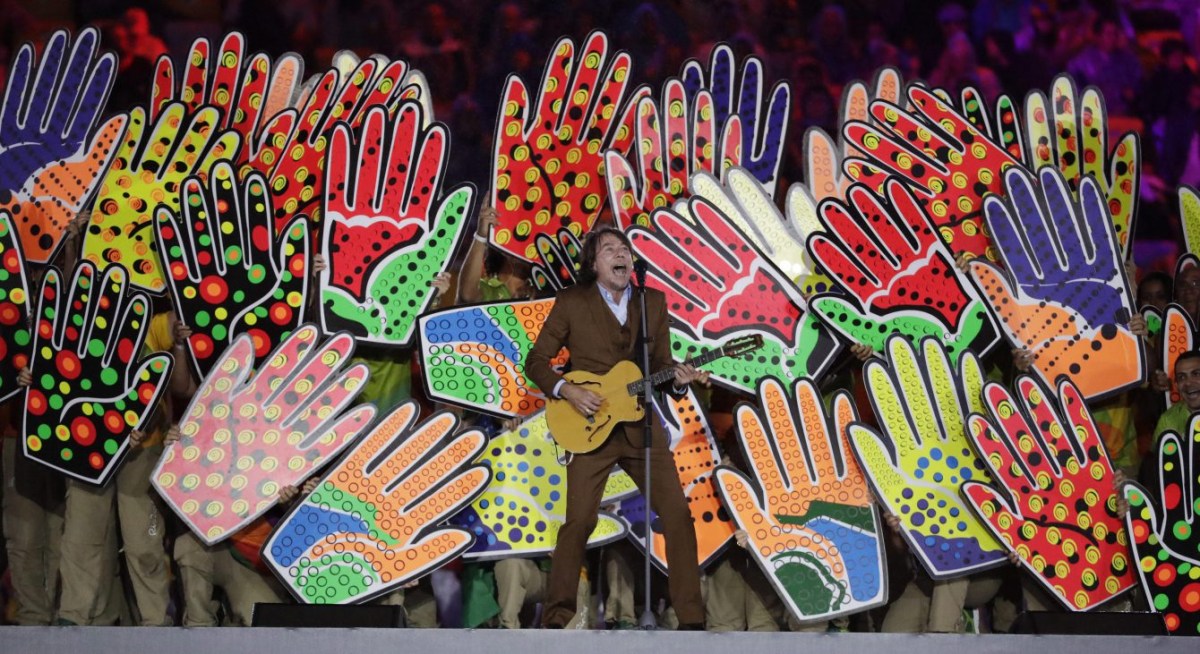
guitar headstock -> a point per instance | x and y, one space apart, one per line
742 345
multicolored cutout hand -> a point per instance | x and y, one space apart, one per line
229 274
148 172
758 130
291 153
719 286
246 435
896 275
1063 294
1077 144
1055 503
558 261
548 168
805 505
921 454
948 161
694 451
1166 543
48 166
1179 336
749 205
676 138
15 334
474 356
371 525
388 230
92 385
1189 213
248 91
524 506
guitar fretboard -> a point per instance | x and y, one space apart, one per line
669 373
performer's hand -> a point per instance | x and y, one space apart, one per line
1138 326
487 220
288 493
585 402
861 352
686 374
1160 382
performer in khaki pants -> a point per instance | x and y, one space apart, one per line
33 523
89 557
598 321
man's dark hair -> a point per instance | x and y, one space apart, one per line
1161 277
591 245
1186 356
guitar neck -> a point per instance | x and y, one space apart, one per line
669 373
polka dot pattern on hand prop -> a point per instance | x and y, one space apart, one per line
920 456
524 506
948 161
249 91
1166 543
148 172
548 166
389 231
1072 135
474 356
756 123
92 386
895 275
371 525
720 286
15 334
1179 336
1054 503
48 166
291 153
695 452
780 238
804 504
1063 294
247 435
676 138
229 274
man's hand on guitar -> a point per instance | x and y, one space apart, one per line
686 374
585 402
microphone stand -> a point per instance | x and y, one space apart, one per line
647 620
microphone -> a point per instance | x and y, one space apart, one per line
639 271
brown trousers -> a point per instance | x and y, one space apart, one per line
586 476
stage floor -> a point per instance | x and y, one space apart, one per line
132 640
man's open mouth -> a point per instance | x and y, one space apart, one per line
620 268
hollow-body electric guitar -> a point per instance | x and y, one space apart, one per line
622 388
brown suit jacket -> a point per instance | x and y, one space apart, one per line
583 323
